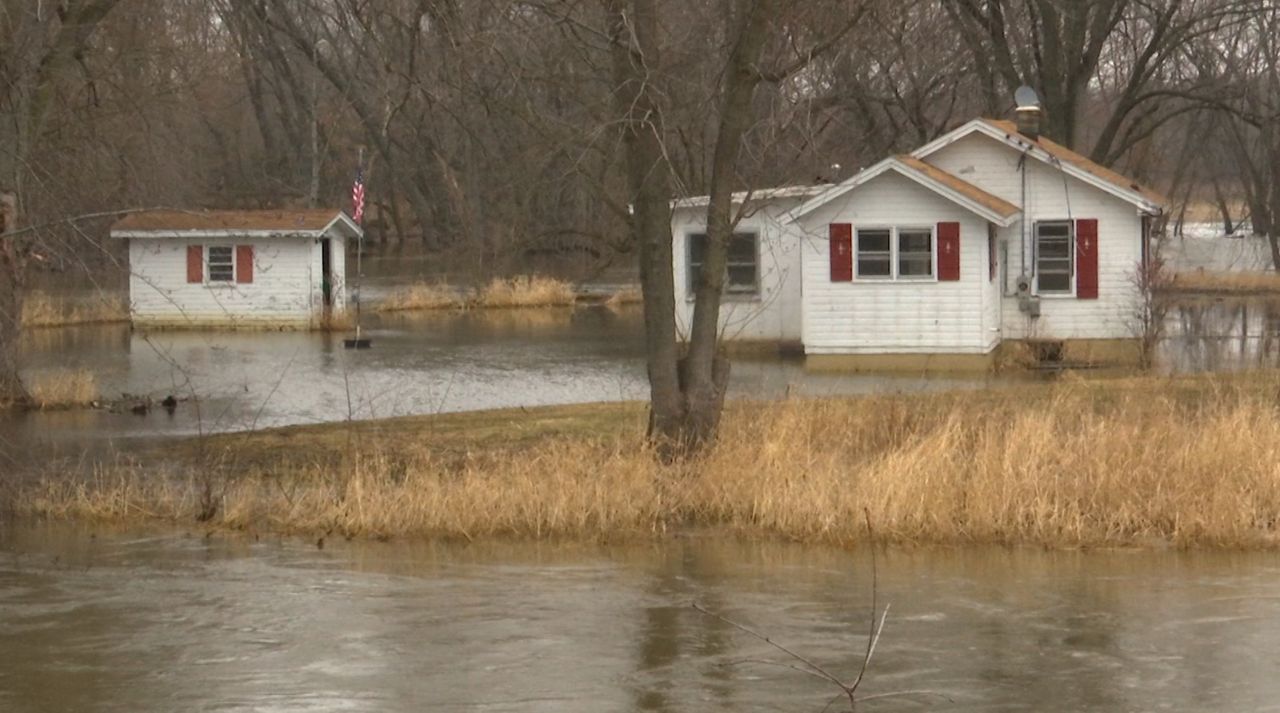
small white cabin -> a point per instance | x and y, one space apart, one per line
762 290
984 236
268 268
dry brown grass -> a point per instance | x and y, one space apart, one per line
625 296
1182 462
1237 283
523 291
422 296
63 388
526 291
338 321
40 309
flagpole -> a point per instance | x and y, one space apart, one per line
360 249
357 214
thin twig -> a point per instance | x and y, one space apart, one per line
745 629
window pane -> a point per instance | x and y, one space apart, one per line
912 241
742 267
1055 282
697 252
873 266
742 248
1055 248
221 267
1058 229
742 278
873 241
1053 256
915 266
697 248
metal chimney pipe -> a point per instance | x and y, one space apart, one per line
1028 121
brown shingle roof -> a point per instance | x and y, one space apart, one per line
961 186
306 220
1062 153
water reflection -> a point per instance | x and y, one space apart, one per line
1221 335
185 623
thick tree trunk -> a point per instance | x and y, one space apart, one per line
686 394
704 392
12 271
633 49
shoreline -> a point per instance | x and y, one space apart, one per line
1183 462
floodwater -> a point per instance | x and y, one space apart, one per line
419 364
183 623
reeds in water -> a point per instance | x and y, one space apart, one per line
526 291
63 388
422 296
41 309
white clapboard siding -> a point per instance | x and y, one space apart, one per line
1051 195
774 313
285 288
907 316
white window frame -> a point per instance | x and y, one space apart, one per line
895 264
1071 258
691 274
208 267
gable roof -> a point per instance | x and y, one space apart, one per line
958 191
259 223
1055 154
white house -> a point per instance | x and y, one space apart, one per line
762 293
989 234
274 268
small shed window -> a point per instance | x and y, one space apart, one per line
743 268
895 253
222 265
1053 257
875 253
915 253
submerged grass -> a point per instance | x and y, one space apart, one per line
1146 461
63 388
422 296
523 291
41 309
526 291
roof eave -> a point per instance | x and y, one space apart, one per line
892 163
219 233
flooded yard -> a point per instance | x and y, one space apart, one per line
181 622
421 363
96 621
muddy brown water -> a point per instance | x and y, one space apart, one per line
97 622
93 621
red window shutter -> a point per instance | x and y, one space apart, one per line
1087 259
841 252
244 264
948 251
195 263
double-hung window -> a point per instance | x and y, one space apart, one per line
742 271
895 253
1053 257
222 263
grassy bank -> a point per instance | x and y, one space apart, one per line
1186 462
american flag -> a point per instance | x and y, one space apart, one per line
357 196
